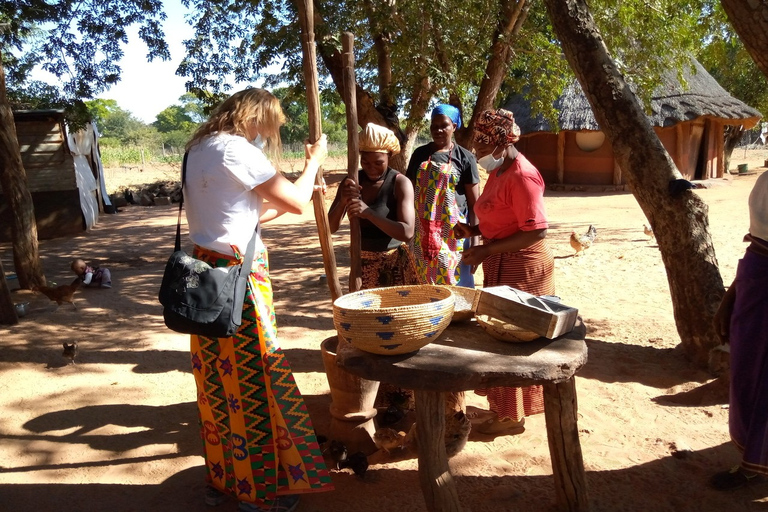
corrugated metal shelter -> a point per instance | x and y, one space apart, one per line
689 121
61 207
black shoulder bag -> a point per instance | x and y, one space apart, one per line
198 298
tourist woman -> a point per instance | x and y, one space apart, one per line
260 447
446 187
383 202
513 223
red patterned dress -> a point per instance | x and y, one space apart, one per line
511 202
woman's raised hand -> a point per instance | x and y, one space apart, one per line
349 191
358 209
317 151
462 230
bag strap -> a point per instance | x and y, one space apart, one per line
250 251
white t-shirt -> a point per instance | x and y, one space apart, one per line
222 207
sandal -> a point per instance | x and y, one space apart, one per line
214 497
501 426
286 503
735 478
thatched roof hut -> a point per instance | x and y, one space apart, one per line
689 121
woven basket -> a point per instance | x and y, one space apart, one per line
466 303
393 320
505 331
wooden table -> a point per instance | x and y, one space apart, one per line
466 358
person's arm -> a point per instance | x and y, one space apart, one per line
722 319
288 197
472 194
512 243
346 192
401 229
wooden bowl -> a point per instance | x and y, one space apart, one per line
505 331
393 320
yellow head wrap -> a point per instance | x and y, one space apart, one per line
377 139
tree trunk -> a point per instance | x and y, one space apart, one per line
750 21
13 180
366 108
8 314
512 16
679 219
732 137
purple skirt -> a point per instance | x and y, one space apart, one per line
748 413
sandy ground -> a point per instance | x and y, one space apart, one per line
117 431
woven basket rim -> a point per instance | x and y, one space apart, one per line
339 302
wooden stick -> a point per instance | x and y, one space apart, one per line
350 87
309 63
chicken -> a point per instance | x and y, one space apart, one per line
357 462
70 351
388 439
457 428
337 451
60 294
648 230
583 242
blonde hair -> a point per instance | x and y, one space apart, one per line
236 113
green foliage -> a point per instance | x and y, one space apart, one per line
723 55
80 42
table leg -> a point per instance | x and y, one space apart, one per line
560 411
434 475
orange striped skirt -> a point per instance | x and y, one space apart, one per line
530 270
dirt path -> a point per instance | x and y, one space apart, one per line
117 431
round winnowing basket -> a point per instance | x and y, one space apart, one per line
505 331
393 320
465 303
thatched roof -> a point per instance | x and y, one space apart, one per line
670 104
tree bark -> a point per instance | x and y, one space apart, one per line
732 137
679 218
13 180
366 107
750 21
512 16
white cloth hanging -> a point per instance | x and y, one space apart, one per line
80 146
96 158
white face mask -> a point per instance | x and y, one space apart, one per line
489 163
258 142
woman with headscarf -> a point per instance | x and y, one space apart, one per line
383 202
446 187
259 444
513 223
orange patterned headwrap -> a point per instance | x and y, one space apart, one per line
496 127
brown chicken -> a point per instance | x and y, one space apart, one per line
457 428
60 294
648 230
388 439
583 242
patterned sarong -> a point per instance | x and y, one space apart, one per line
748 411
395 267
530 270
258 439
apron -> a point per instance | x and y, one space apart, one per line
437 252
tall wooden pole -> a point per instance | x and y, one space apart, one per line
306 20
350 89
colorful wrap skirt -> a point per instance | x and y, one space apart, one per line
395 267
530 270
748 411
257 435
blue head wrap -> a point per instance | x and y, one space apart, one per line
448 110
